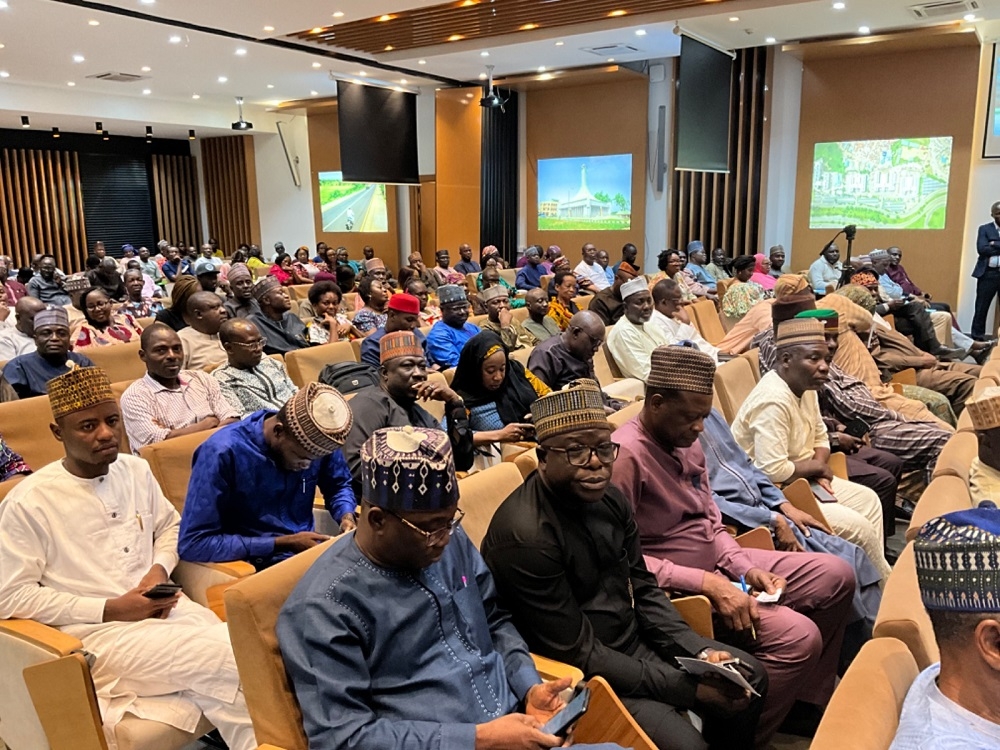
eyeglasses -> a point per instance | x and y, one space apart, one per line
433 537
594 342
259 344
580 455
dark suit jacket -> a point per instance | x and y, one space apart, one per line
987 232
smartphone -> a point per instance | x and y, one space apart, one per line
821 494
163 591
560 724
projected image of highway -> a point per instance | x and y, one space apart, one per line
352 206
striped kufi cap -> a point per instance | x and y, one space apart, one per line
578 406
52 315
408 468
798 332
985 409
79 389
681 368
265 285
399 344
493 293
319 419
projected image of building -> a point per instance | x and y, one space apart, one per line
583 205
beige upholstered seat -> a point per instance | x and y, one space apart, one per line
956 456
705 318
902 614
943 495
480 495
120 362
733 383
305 365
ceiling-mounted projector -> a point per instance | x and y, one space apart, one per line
492 99
241 124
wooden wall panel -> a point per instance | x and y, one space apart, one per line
175 198
41 207
458 164
723 210
231 190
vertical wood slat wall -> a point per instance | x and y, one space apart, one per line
231 190
175 197
723 210
41 207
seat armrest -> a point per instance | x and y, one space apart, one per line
838 465
196 579
65 701
42 636
550 669
697 613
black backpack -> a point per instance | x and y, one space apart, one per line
349 377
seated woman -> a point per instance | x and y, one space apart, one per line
284 271
671 266
376 299
100 326
761 273
304 268
490 252
561 305
744 293
498 392
322 316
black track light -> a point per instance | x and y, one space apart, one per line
24 122
99 126
55 132
149 130
104 135
191 135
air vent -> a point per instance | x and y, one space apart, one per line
118 77
926 11
611 50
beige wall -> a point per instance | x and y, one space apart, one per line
458 156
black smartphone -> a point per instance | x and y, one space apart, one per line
560 724
163 591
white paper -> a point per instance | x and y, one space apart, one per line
700 668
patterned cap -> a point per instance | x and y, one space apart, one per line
374 264
451 293
791 305
265 285
878 254
238 271
318 418
203 266
79 389
52 315
681 368
578 406
829 318
399 344
634 286
127 248
958 560
532 252
695 245
493 293
790 283
406 468
985 409
865 279
404 303
799 332
627 270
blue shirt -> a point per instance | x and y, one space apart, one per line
29 374
239 499
445 343
370 351
172 270
529 277
702 276
609 274
894 290
467 266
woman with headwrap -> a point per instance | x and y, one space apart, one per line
745 292
762 265
498 392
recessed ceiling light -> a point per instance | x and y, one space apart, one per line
145 68
147 2
147 92
70 83
839 6
611 59
317 65
268 28
362 74
174 39
421 62
455 37
3 4
270 85
734 18
240 51
770 40
2 46
388 48
91 22
4 74
969 17
402 81
222 79
864 30
640 32
468 96
316 30
484 53
529 26
541 68
617 13
78 58
314 93
560 44
339 14
482 76
386 17
545 77
196 96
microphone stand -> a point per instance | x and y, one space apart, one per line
850 231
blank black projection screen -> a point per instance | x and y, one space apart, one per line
378 134
703 81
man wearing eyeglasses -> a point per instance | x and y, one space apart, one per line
249 380
253 483
566 555
661 471
395 637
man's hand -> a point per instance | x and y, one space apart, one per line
848 443
802 519
514 732
348 523
132 606
713 656
156 575
506 317
299 542
824 482
543 700
209 423
722 694
927 362
514 432
784 537
430 391
761 580
737 610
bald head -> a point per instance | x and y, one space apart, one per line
584 335
24 311
236 329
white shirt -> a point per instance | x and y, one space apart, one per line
822 273
632 345
984 483
678 331
593 273
13 343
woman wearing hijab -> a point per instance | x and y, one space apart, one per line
760 272
744 293
100 326
498 392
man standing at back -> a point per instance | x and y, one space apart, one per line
987 271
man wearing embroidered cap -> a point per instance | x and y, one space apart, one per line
28 374
395 636
608 303
566 555
633 337
984 474
253 483
395 403
82 540
242 303
450 334
282 329
661 471
501 321
402 314
954 704
781 428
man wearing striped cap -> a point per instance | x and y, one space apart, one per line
282 329
30 373
781 428
984 473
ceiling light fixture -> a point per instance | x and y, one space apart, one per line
3 4
492 100
617 13
482 76
611 59
268 28
969 17
71 83
317 65
91 22
560 44
147 92
455 37
529 26
241 124
313 93
770 40
147 2
734 19
240 51
145 68
98 126
316 30
402 81
338 14
640 32
421 62
270 85
545 77
25 123
541 68
388 48
78 58
55 132
2 46
174 39
839 6
191 135
222 79
484 53
4 74
864 30
386 17
362 74
196 96
149 130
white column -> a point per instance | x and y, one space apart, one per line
779 193
657 202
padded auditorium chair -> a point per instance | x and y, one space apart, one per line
706 320
944 494
902 614
956 457
305 365
120 362
733 383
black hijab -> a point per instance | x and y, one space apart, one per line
515 395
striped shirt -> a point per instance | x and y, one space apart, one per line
266 386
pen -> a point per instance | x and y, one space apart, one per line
139 519
743 585
465 582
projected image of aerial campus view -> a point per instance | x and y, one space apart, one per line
352 206
585 192
892 184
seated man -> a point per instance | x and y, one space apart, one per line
253 484
62 535
697 257
394 404
47 284
589 272
450 334
661 472
530 275
608 304
984 474
897 273
18 339
776 254
395 638
566 555
781 429
666 309
826 270
29 374
539 324
403 314
207 273
283 330
633 337
467 265
443 270
421 272
205 315
953 704
170 401
501 321
242 304
250 381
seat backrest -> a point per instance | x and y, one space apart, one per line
753 357
120 362
546 280
609 362
733 383
525 462
436 408
521 355
706 320
305 365
964 422
622 416
470 282
865 708
956 457
170 462
902 614
519 315
509 275
145 323
478 320
252 607
981 385
299 291
25 426
943 495
583 301
480 495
